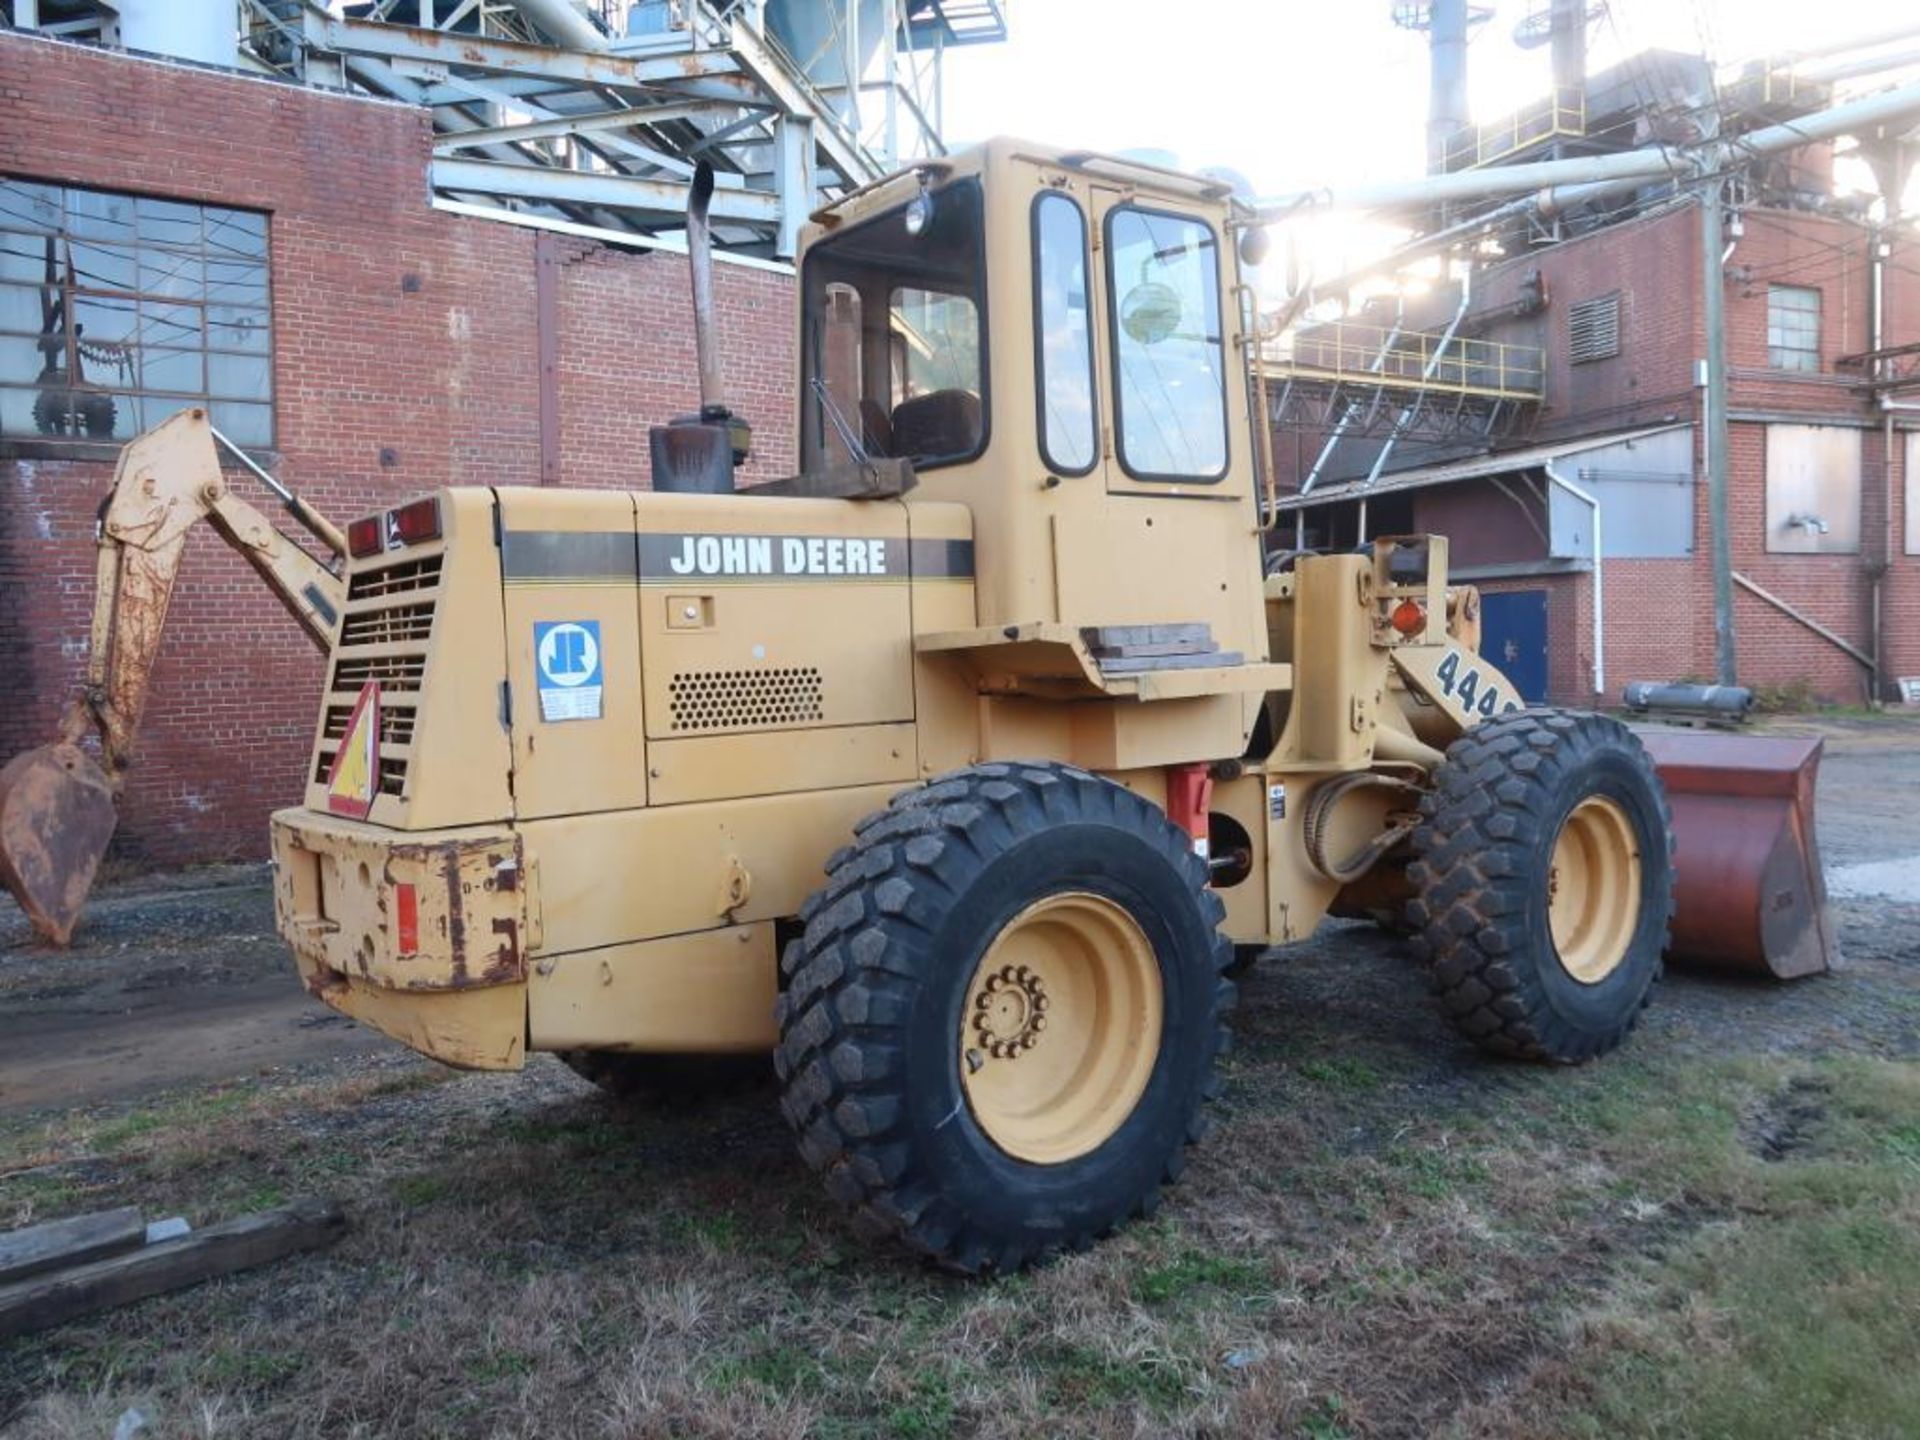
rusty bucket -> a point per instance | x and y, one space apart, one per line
1749 895
56 817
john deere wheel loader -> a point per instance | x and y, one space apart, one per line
952 771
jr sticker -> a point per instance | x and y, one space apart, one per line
568 654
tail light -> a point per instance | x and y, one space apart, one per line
406 904
411 524
363 537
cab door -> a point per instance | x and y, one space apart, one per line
1170 538
1169 351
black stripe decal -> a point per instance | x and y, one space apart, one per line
567 555
682 557
621 556
943 559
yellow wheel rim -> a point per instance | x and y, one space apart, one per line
1061 1028
1593 890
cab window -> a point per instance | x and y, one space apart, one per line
1169 372
1063 330
894 346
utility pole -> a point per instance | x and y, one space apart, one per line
1713 404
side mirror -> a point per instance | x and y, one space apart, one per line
1255 242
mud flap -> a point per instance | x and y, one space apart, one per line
56 817
1750 897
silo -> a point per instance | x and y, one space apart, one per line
814 33
204 31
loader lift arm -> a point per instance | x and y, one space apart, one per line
57 801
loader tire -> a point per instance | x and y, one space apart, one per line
1543 877
669 1079
1001 1022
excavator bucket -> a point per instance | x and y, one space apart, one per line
56 816
1749 897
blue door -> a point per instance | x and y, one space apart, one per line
1513 634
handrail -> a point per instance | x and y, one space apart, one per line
1561 112
1414 359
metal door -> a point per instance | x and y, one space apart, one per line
1513 634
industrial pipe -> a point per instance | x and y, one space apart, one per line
1556 177
564 23
1477 184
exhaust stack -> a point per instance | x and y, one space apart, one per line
696 454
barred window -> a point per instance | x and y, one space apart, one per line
116 311
1793 327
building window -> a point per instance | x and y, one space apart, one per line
1813 489
1912 468
1063 331
1793 327
116 311
1170 382
1593 329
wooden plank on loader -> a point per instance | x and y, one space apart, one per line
54 1299
877 479
1183 638
1212 659
76 1240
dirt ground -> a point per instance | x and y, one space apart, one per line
1386 1234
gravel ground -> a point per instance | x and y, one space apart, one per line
180 978
1386 1234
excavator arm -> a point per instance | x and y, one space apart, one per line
57 801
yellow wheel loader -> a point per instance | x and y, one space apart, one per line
955 771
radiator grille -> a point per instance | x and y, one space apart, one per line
396 723
745 699
386 642
388 626
408 575
394 672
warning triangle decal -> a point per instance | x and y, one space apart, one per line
355 777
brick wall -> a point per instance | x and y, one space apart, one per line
1653 265
400 331
1659 613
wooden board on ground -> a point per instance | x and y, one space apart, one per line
52 1299
76 1240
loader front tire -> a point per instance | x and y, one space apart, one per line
1543 879
1001 1021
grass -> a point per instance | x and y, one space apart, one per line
1385 1235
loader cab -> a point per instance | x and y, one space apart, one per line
896 361
1053 339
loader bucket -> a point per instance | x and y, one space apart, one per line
56 816
1749 896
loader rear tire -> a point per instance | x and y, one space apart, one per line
1543 878
669 1079
1000 1024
